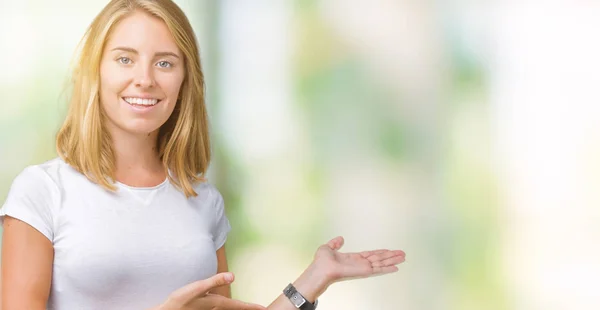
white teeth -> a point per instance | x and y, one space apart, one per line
140 101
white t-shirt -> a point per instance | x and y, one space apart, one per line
124 250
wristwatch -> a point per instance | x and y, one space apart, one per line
297 299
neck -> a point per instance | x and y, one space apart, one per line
135 154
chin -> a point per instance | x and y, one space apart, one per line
142 128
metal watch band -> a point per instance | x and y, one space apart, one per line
297 299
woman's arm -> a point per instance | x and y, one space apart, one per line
222 267
27 257
330 266
311 284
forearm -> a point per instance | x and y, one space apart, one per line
311 284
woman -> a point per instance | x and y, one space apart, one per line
124 219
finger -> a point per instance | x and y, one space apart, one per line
385 255
232 304
336 243
389 262
202 287
366 254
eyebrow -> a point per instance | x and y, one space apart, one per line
129 49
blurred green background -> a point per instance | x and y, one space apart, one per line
458 131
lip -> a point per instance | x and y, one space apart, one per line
140 108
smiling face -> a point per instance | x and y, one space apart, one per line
141 73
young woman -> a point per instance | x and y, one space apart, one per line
123 218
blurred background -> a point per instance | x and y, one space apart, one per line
466 133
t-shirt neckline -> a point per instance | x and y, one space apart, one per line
163 183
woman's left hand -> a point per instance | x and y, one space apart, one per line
346 266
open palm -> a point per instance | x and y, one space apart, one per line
346 266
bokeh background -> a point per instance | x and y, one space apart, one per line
466 133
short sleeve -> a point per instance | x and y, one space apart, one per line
221 227
30 199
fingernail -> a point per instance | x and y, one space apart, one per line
228 277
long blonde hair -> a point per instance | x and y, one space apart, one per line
183 141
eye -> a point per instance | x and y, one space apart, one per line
124 60
164 64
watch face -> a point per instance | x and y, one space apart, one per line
298 300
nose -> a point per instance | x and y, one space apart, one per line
144 77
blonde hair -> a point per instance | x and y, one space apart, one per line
183 141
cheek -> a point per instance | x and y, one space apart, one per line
112 82
175 82
171 86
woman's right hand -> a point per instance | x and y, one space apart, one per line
197 296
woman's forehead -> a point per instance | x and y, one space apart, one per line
144 33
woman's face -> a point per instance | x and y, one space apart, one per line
141 72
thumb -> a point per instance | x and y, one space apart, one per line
202 287
219 279
336 243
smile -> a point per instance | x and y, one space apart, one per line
141 101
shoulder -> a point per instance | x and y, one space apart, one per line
40 179
208 190
48 174
36 175
207 193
